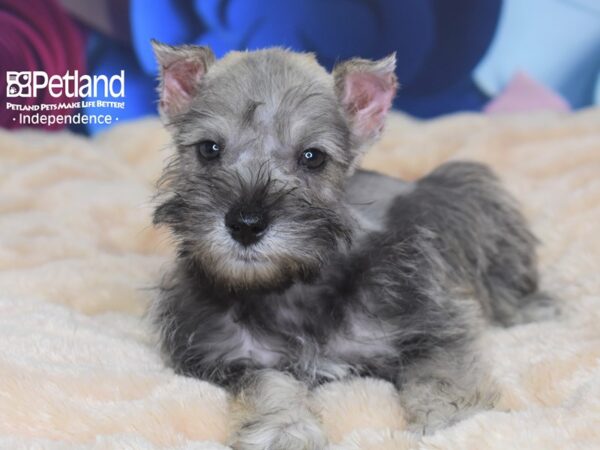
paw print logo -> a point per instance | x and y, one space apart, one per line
18 84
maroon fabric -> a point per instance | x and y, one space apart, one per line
37 35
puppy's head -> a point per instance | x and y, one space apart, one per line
264 143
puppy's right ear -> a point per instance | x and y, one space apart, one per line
181 69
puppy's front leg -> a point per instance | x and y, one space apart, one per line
271 412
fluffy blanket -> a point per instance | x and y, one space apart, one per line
78 260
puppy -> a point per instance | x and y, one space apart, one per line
295 269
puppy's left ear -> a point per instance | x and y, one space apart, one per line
366 90
181 69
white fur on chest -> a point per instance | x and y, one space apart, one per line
362 338
246 346
356 343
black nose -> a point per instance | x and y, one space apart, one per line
246 225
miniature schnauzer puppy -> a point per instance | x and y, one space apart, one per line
295 269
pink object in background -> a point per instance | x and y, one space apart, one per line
524 94
37 35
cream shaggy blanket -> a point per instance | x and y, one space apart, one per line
78 259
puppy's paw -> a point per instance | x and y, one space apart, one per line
434 403
429 422
537 307
278 435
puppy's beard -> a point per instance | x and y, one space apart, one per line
278 259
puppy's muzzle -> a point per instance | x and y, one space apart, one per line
246 224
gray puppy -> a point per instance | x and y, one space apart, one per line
294 268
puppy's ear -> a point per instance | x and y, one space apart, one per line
366 90
181 69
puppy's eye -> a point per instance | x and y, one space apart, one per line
312 158
208 150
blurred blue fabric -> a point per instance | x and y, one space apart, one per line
439 43
110 57
557 42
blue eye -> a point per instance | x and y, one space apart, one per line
312 158
208 150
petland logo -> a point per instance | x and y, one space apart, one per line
29 84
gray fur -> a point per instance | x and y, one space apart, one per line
358 274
